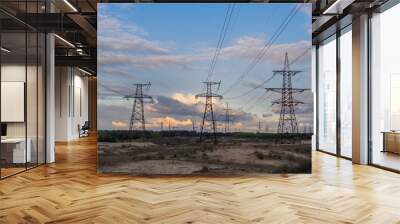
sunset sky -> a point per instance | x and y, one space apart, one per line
171 46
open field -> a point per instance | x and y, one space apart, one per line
186 155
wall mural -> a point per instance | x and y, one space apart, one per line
209 89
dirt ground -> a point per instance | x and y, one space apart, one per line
188 156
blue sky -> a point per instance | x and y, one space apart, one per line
171 46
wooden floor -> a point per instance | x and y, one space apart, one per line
70 191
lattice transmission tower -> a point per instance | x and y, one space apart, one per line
227 117
287 119
137 117
208 116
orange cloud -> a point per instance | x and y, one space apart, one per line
119 124
188 99
170 120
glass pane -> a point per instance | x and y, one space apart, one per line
314 90
327 96
13 86
346 94
23 90
41 98
32 88
385 114
31 98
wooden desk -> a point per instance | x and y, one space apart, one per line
391 141
13 150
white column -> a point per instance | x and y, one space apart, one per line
50 99
360 90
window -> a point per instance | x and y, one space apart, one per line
22 87
385 89
346 92
327 95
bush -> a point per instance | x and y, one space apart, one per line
125 135
204 169
259 155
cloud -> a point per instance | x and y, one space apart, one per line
120 124
109 112
306 8
169 106
249 47
242 116
111 25
109 71
109 89
266 115
186 104
149 62
169 120
130 43
182 108
305 108
114 115
243 47
125 6
117 35
189 99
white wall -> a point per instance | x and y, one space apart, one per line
71 102
62 81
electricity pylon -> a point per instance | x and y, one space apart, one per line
287 119
227 117
193 126
208 115
137 116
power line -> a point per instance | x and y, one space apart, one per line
251 103
270 78
112 90
257 101
267 46
252 89
221 39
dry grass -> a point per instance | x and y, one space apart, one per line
187 156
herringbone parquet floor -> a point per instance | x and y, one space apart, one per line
70 191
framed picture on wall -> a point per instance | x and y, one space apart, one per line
12 101
215 89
